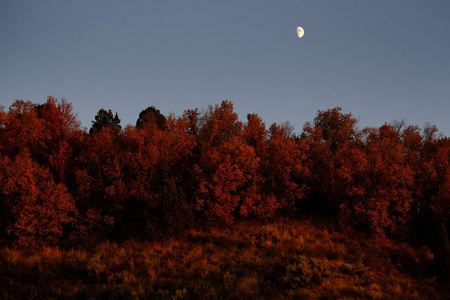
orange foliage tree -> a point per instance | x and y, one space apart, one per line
226 167
22 129
57 180
284 167
149 155
333 158
98 185
38 208
256 136
384 199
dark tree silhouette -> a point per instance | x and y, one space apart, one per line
105 119
442 253
151 115
176 214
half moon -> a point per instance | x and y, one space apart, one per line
300 32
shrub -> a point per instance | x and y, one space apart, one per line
96 266
305 271
352 269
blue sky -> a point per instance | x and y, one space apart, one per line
380 60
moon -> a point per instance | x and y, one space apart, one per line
300 32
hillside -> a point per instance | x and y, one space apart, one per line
287 258
173 207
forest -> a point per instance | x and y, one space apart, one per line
71 196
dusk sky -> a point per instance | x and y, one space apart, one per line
380 60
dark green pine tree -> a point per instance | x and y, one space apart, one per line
176 215
105 119
442 255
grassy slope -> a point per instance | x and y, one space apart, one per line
282 259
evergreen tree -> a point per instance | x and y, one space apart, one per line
151 115
105 119
442 258
176 214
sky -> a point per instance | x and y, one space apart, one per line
380 60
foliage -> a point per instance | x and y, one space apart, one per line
149 116
105 119
63 186
305 271
216 263
39 209
226 167
336 127
443 253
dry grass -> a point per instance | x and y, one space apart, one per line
285 259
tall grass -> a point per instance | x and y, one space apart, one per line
283 259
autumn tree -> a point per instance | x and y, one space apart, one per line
97 176
2 118
3 123
36 208
38 128
143 159
280 176
59 118
336 127
384 198
193 120
330 140
98 185
283 167
148 157
432 177
431 206
366 180
62 129
226 167
256 134
22 130
103 184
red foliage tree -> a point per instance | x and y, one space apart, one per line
284 167
98 184
256 135
39 208
385 195
332 150
22 130
110 179
59 119
226 167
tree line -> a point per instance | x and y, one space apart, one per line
61 185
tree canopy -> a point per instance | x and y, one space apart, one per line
61 186
105 119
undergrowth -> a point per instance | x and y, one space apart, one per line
284 259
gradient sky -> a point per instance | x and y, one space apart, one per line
380 60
